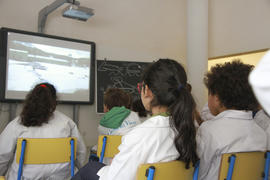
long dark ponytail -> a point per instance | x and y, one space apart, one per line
39 105
167 80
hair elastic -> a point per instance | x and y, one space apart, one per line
43 85
180 87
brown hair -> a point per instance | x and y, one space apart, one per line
39 105
115 97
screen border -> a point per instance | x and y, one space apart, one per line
3 61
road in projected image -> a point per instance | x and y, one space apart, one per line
22 76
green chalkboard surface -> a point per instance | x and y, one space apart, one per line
117 74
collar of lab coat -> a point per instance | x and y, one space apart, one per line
156 121
232 114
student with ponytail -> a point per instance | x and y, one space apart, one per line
165 91
39 119
169 134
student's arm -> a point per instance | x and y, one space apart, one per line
81 148
206 114
198 118
103 130
125 163
205 151
8 139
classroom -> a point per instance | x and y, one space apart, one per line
191 32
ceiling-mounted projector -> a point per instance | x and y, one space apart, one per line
78 12
74 11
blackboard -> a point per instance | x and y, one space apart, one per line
117 74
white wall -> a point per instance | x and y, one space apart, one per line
122 30
235 27
143 31
197 47
238 26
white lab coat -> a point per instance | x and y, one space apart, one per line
149 142
230 131
131 121
264 122
58 126
127 125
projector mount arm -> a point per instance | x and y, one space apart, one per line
43 13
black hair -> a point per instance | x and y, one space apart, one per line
39 105
229 81
137 106
167 80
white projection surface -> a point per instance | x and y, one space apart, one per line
35 59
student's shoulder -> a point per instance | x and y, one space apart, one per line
60 118
152 124
133 116
15 126
15 123
207 124
139 134
60 115
209 127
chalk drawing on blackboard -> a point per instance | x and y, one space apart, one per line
113 69
134 69
117 74
118 82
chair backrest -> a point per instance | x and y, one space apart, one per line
267 165
164 170
242 165
45 151
108 146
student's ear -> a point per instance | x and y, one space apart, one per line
220 106
214 104
105 108
147 97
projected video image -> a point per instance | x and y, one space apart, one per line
34 61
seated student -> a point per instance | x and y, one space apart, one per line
39 119
231 101
168 135
261 87
118 118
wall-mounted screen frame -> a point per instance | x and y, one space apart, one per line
29 58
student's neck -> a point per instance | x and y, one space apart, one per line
159 109
223 109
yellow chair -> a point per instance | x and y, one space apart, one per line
108 146
242 165
45 151
165 170
2 177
